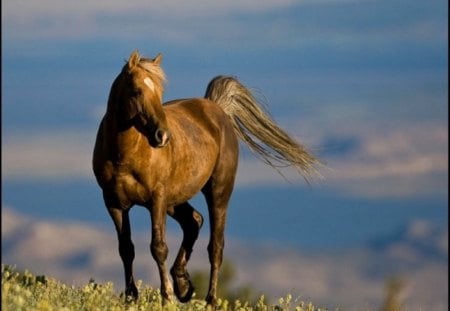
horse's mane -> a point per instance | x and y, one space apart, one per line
155 71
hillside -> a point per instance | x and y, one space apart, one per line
25 291
348 279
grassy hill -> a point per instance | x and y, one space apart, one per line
26 291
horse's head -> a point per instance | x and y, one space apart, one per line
137 97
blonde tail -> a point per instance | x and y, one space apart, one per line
258 131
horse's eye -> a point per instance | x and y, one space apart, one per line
136 93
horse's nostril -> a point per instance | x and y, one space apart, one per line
161 137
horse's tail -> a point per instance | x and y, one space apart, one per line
260 133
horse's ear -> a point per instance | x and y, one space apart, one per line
134 59
157 60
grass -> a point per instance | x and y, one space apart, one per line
26 291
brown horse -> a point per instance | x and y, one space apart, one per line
159 156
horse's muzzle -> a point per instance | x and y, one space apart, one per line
162 137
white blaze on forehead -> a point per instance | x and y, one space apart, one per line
149 83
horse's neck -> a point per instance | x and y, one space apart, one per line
123 143
129 140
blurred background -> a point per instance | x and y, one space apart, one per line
363 83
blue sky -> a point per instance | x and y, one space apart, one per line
363 83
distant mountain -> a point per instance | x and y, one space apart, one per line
350 279
418 241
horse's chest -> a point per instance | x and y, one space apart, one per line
130 190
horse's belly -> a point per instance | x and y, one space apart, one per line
182 188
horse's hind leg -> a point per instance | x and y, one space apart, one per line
217 198
126 248
190 221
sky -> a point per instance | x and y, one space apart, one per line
364 84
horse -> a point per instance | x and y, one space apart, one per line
160 155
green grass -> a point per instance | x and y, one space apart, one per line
26 291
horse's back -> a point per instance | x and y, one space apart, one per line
205 129
195 107
198 113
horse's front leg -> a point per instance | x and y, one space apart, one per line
158 245
126 248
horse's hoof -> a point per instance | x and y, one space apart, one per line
187 295
211 302
184 290
167 301
131 292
